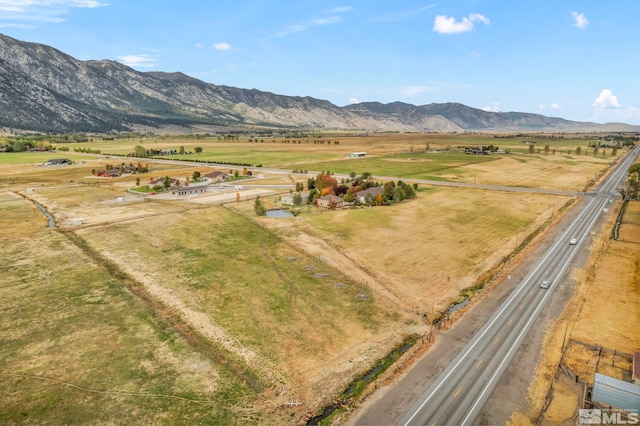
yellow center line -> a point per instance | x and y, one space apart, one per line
496 341
458 392
433 424
510 321
521 305
479 363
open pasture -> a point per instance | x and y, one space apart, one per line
303 304
427 250
281 312
419 156
288 151
78 348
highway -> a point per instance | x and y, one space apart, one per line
459 393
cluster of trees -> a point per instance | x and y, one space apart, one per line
141 151
228 137
326 184
259 208
596 151
40 142
631 188
20 145
86 150
122 167
395 193
294 141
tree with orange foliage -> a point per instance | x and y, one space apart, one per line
326 184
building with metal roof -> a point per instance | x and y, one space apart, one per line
616 393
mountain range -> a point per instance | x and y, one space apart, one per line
44 89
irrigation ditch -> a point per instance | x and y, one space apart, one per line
354 392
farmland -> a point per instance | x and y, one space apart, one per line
162 308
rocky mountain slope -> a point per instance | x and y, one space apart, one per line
44 89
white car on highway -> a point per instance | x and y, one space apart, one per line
545 284
573 241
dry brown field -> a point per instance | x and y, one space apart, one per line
599 328
422 254
76 347
271 310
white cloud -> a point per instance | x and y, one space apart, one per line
629 115
606 99
476 17
334 18
491 109
341 9
553 106
222 46
40 11
354 101
448 25
199 45
579 20
138 61
402 15
26 5
23 26
305 25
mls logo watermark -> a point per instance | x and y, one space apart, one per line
597 416
590 417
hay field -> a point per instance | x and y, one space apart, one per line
328 151
262 306
424 252
77 348
283 314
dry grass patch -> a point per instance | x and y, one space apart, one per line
565 402
274 308
560 172
76 347
613 300
425 251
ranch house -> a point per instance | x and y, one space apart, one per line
215 177
190 190
160 182
328 199
371 192
107 173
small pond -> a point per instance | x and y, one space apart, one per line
279 213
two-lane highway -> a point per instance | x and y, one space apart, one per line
461 390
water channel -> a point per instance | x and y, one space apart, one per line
52 221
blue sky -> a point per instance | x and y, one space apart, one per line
575 59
